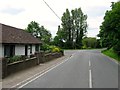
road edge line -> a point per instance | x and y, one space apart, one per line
34 77
43 73
113 60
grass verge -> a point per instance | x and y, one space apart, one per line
111 54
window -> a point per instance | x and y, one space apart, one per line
37 47
9 50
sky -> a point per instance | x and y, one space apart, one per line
19 13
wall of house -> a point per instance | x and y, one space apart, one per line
33 49
19 49
1 50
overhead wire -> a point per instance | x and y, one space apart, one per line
52 10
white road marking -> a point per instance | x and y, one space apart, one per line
113 60
89 63
39 74
90 74
90 79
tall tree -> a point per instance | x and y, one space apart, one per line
33 28
39 32
66 24
110 28
74 27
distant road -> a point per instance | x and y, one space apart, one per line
84 69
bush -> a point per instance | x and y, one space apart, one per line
14 59
45 47
84 47
116 48
56 49
51 48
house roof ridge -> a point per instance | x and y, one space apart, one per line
17 35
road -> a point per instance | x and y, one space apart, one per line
84 69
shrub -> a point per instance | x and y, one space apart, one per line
56 49
116 48
14 59
45 47
51 48
84 47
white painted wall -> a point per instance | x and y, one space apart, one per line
33 49
1 50
19 49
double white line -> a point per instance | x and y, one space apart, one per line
90 75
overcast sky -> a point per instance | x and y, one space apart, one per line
19 13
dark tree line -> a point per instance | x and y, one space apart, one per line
110 28
91 42
72 30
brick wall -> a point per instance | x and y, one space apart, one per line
41 57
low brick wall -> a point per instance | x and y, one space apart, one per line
21 65
8 69
52 56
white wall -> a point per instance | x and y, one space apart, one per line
1 50
19 49
33 49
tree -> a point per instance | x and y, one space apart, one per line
39 32
66 24
90 42
80 26
73 28
33 28
110 28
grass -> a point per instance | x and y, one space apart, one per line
85 49
111 54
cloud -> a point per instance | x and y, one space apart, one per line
19 13
12 11
96 11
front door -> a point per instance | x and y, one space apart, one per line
26 50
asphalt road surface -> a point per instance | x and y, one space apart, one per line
84 69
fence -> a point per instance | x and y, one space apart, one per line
9 68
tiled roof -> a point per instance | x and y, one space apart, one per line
16 36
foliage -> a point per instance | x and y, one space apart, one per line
90 42
50 48
72 30
110 28
111 53
55 49
39 32
14 59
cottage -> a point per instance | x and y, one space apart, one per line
14 41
